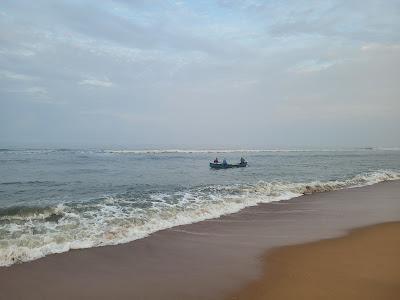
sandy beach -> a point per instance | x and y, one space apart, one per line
362 265
214 259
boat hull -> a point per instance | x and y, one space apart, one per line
227 166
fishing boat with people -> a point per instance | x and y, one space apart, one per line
224 165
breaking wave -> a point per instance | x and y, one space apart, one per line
182 151
28 233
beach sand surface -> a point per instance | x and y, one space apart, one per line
207 260
362 265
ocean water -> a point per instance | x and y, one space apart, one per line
54 200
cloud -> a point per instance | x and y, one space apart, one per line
313 66
34 94
196 65
37 91
17 52
131 118
97 82
4 74
380 47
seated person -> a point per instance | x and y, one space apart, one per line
216 160
242 160
224 162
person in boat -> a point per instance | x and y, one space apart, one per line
242 160
216 160
224 162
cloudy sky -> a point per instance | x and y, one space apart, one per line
185 74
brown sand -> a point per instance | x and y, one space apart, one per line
207 260
362 265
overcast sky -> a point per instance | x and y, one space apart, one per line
200 74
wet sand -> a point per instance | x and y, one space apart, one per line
362 265
206 260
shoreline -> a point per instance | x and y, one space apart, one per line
363 264
205 260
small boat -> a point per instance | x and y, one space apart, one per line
227 166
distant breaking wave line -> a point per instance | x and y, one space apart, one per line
186 151
166 151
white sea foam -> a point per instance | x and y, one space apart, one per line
182 151
188 151
166 151
115 220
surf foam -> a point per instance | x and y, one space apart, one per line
31 233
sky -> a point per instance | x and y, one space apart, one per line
199 74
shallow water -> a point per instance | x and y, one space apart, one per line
55 200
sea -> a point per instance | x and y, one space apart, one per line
54 200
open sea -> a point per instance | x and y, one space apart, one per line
54 200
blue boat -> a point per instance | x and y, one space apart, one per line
227 166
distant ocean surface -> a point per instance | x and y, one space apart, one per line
55 200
